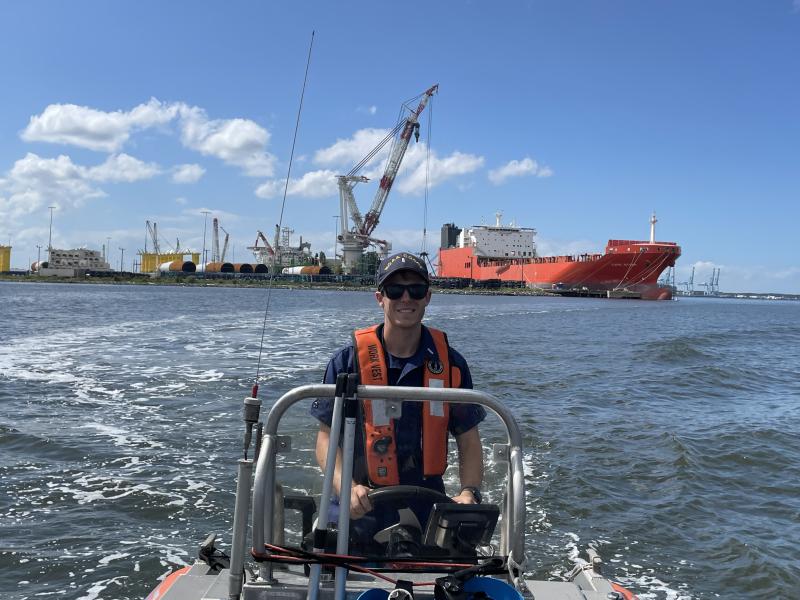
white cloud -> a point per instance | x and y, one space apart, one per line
238 142
789 272
439 171
122 167
187 173
94 129
181 200
314 184
410 180
518 168
34 183
347 152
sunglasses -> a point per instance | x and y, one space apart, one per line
395 291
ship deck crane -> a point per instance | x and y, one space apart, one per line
263 254
356 238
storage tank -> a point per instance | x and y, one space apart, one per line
178 266
216 267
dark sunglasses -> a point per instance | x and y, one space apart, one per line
395 291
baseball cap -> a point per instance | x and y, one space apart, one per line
402 261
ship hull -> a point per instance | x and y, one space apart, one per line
627 269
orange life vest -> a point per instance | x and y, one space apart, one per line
380 449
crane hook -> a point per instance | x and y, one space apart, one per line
416 132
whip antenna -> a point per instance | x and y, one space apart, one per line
280 220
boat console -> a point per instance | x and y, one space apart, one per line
463 552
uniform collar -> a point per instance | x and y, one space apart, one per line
425 351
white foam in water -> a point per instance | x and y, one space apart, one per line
93 593
123 438
116 556
656 589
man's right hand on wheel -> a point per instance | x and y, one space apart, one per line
359 501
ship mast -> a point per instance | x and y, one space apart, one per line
653 222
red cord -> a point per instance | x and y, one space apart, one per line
282 556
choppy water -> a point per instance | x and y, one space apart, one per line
665 434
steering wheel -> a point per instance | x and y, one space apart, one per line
395 493
398 494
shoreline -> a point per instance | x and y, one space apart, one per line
195 281
191 280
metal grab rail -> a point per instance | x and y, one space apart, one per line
265 469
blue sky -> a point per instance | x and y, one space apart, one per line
575 118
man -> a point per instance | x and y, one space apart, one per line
414 445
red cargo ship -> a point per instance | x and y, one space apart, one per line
627 269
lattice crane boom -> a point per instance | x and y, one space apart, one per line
393 164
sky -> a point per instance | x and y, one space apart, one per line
578 119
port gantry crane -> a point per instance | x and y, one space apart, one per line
356 238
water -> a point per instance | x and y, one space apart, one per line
667 434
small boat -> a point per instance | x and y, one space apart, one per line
463 552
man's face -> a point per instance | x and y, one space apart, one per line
405 312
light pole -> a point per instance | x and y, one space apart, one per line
108 251
38 257
121 259
50 237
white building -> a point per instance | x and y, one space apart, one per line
68 263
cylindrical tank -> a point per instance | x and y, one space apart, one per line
39 265
178 266
216 267
260 268
243 267
306 270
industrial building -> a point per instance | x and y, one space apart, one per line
74 262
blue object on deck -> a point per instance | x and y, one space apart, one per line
374 594
494 588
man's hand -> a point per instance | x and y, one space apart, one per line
359 501
465 497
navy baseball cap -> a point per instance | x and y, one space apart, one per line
402 261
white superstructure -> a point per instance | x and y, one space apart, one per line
499 241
